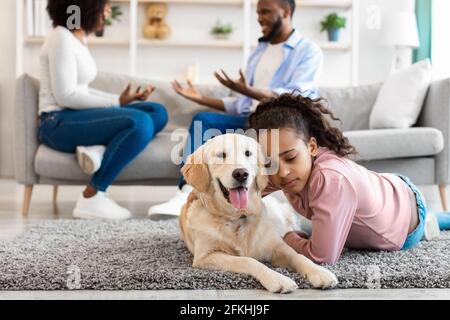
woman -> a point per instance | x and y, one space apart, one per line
73 115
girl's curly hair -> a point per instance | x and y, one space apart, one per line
306 116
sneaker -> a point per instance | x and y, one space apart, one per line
90 158
431 227
171 208
99 207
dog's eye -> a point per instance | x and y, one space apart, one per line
248 153
221 155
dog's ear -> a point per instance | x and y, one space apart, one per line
196 172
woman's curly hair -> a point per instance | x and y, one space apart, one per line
91 12
305 115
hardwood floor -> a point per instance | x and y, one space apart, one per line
136 199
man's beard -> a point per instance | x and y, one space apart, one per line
276 29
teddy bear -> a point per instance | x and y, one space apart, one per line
156 27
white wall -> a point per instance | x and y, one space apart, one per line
7 75
375 60
441 45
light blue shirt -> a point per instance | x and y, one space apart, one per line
302 62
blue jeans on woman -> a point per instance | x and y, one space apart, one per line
204 121
124 131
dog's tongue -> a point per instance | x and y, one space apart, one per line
239 198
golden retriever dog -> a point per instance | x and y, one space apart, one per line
229 226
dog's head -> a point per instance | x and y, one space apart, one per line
230 168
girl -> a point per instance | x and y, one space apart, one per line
348 205
74 115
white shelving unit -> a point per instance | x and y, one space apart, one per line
132 49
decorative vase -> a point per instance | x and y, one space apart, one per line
221 36
333 34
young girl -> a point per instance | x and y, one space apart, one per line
348 205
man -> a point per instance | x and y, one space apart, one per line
283 62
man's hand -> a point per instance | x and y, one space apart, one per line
190 92
240 85
128 96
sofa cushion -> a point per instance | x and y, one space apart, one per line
396 143
351 105
401 97
153 163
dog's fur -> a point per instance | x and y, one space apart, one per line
222 237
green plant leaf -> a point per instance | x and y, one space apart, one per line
116 13
220 28
333 21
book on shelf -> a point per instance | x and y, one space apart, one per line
37 20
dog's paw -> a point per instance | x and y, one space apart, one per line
277 283
321 277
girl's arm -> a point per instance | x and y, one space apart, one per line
333 202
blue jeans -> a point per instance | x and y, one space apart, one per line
443 218
204 121
417 234
125 132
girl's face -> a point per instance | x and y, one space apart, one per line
292 156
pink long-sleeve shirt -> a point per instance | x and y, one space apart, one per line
350 206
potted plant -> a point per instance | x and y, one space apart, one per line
116 12
222 31
333 23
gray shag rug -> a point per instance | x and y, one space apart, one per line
144 254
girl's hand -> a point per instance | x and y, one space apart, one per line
291 238
192 197
128 96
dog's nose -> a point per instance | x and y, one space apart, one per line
240 175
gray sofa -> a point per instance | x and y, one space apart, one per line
421 152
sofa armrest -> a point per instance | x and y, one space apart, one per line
436 114
25 129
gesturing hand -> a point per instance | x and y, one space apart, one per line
190 92
240 85
129 96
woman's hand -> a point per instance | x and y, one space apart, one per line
190 92
129 96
